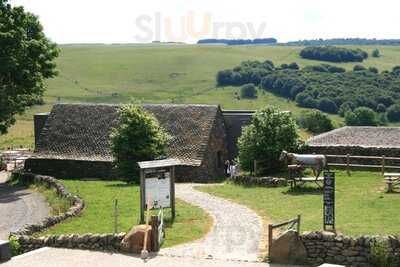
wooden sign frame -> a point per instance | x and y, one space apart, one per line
157 165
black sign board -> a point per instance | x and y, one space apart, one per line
329 200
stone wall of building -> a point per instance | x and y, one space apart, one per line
235 120
71 168
327 247
217 150
39 120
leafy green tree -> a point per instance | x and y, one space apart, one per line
137 137
270 132
393 113
327 105
224 77
376 53
294 66
381 108
346 107
26 60
359 68
315 121
248 91
373 70
362 116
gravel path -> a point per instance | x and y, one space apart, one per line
235 235
19 206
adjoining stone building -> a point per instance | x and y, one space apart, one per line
358 141
73 140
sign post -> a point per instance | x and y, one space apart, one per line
329 201
157 185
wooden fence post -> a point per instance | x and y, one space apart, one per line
383 164
348 164
154 230
269 238
298 223
255 167
116 216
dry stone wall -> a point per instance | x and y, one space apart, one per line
104 242
77 204
327 247
259 181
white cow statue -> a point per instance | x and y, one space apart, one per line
316 162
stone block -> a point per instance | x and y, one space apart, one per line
288 249
5 251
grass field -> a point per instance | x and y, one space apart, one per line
191 222
362 206
163 74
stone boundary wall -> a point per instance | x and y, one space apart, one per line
259 181
103 242
77 203
327 247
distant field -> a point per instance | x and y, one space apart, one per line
164 74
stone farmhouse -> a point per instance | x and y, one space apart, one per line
73 139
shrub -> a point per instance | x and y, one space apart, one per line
270 132
376 53
15 246
315 121
362 116
373 70
380 256
293 66
137 137
359 68
393 113
248 91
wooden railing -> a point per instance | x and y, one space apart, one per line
291 223
348 164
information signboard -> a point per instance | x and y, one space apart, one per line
158 188
329 200
157 185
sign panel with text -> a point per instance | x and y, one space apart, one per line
329 200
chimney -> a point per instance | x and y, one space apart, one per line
39 122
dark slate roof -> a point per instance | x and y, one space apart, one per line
81 131
360 136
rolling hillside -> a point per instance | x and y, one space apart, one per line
164 74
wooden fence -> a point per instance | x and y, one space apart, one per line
291 223
348 164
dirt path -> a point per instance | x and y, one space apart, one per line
19 206
235 235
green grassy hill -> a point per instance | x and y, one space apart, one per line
164 74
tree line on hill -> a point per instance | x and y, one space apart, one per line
344 41
333 54
239 41
324 87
